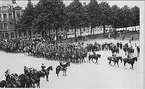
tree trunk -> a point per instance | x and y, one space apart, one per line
91 30
56 35
104 29
75 34
30 34
66 34
80 31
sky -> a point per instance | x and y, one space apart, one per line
120 3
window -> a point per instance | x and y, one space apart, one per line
11 25
20 34
5 16
7 35
5 25
12 35
10 16
3 35
18 15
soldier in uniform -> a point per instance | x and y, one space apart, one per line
7 75
43 68
113 56
26 70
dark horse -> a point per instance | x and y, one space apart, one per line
47 72
14 82
130 61
115 60
94 56
7 84
62 67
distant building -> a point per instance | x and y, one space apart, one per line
7 27
7 30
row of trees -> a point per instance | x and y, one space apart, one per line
50 15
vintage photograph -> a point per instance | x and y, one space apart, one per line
70 44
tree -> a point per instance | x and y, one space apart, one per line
84 19
93 11
50 16
125 16
105 14
25 22
115 16
135 16
74 11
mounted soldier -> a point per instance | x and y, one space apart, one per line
43 68
7 75
26 70
113 56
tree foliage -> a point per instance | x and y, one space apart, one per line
53 15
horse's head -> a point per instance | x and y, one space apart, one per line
51 68
99 56
68 63
135 58
109 58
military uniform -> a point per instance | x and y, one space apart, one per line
43 68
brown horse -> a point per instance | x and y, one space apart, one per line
94 56
62 67
130 61
7 84
47 72
115 60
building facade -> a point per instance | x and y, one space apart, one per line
7 29
8 18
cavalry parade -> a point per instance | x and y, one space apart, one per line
64 53
37 50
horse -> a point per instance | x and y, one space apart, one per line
25 80
15 79
62 67
3 83
115 60
47 72
94 56
130 61
35 79
7 84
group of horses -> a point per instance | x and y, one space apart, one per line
63 52
31 79
116 60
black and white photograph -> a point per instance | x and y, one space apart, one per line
71 44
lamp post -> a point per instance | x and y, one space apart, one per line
14 21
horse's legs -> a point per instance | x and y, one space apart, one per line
109 62
124 64
132 66
58 75
117 64
47 77
38 84
65 72
114 63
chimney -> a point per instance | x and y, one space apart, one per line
13 1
